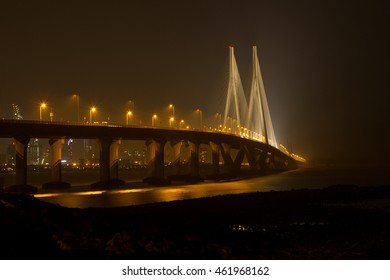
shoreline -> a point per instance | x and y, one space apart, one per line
337 222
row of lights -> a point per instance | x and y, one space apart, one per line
129 114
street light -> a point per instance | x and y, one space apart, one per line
131 105
173 109
200 118
181 123
154 117
219 119
93 110
41 107
129 114
171 120
78 106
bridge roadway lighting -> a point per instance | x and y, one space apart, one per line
181 123
41 107
128 114
218 117
78 106
154 117
173 110
171 120
131 105
200 118
92 110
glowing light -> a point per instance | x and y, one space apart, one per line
132 190
128 115
91 111
171 120
173 109
154 118
42 107
89 193
41 195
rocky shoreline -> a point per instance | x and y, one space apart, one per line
338 222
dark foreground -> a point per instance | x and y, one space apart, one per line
339 222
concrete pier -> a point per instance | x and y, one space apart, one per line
56 166
176 147
21 186
21 159
194 160
108 161
155 162
215 151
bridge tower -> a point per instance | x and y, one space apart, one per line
236 106
259 117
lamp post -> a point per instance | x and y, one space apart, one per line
131 105
200 118
78 106
171 120
218 117
91 111
173 110
181 123
128 114
41 107
154 117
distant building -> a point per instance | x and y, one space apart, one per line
69 150
34 152
17 115
10 156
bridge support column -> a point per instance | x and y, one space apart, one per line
114 160
176 146
21 186
21 160
227 159
215 150
56 174
250 153
108 161
239 159
194 161
155 162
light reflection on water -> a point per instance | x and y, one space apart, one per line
143 194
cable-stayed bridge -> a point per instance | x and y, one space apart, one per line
248 142
254 115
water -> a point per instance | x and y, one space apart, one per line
138 193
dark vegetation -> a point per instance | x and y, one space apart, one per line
339 222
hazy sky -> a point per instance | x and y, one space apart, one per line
324 64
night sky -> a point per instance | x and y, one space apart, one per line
324 64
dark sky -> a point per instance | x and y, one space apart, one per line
324 64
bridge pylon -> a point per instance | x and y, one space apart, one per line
259 117
236 106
